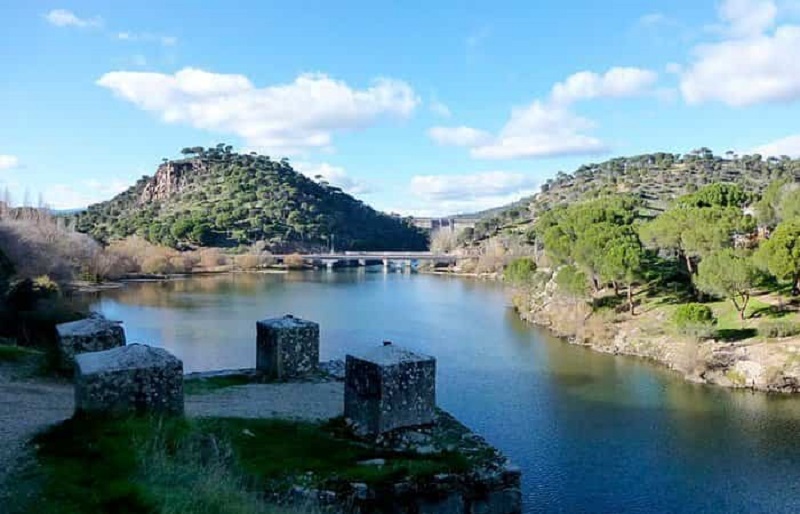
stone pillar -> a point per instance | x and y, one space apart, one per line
387 388
133 378
92 334
287 347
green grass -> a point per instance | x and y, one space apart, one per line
206 385
12 353
216 465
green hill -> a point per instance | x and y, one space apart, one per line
215 197
657 179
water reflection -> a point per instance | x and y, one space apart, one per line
592 432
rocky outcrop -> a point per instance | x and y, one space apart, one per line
170 179
772 366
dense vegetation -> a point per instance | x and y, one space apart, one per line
708 244
216 197
657 179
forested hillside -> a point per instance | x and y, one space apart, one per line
216 197
656 179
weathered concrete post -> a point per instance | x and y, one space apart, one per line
92 334
287 347
388 388
133 378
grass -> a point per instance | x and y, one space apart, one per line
216 465
13 353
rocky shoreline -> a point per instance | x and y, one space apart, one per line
768 366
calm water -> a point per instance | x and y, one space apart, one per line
592 432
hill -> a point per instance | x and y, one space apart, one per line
216 197
657 178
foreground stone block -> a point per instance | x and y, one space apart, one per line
388 388
92 334
134 378
287 347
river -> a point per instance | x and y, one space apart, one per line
591 432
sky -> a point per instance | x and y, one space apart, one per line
416 107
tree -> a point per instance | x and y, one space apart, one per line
181 229
694 232
780 254
202 234
769 206
621 261
716 195
520 271
728 274
571 282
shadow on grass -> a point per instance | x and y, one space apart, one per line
731 335
771 312
611 302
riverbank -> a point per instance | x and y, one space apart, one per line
738 356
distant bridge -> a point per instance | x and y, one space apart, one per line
387 259
447 223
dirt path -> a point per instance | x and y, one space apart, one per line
26 407
302 400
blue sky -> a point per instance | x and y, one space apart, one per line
416 107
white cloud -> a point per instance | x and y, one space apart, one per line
470 186
438 195
747 17
459 136
786 146
755 62
288 118
334 175
549 128
439 109
147 38
618 82
63 196
541 130
65 18
8 162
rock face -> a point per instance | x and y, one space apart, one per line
133 378
389 388
92 334
287 347
170 179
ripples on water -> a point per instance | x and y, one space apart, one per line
592 432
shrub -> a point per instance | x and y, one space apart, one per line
248 262
695 320
294 261
520 271
779 328
157 265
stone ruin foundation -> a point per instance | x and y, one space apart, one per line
287 347
92 334
131 379
387 388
